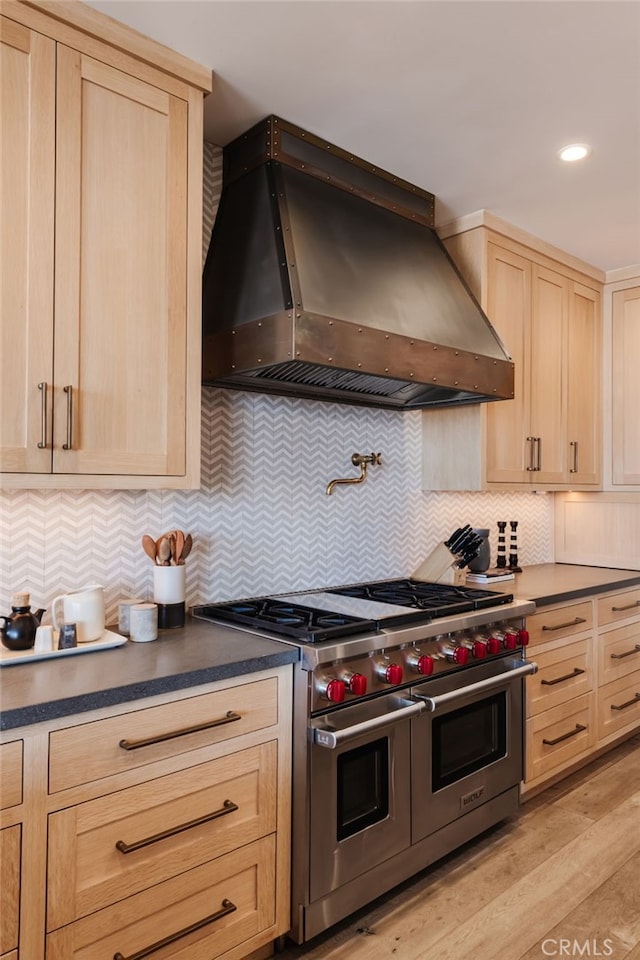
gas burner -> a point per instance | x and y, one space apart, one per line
287 619
436 599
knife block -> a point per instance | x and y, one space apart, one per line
438 567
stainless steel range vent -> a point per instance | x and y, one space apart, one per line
325 279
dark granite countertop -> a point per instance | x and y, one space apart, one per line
199 653
547 583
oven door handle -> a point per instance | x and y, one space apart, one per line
333 738
432 703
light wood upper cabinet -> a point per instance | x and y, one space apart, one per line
101 284
625 335
27 170
549 436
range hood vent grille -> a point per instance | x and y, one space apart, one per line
325 279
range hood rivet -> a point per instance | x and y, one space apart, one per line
434 379
411 342
259 323
359 329
455 383
330 323
435 348
298 315
386 336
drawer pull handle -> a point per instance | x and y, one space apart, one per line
629 703
629 606
161 737
565 736
627 653
227 907
568 676
569 623
227 807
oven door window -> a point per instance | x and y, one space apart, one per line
468 739
363 787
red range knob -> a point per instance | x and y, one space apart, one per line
357 684
479 649
493 645
425 665
392 673
510 640
335 691
523 637
460 655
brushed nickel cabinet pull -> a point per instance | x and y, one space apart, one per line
532 464
229 717
227 807
627 653
569 623
568 676
565 736
574 451
69 392
629 606
227 907
623 706
42 445
539 454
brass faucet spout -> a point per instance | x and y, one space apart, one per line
358 460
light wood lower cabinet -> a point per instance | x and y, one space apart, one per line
224 903
10 858
585 696
159 828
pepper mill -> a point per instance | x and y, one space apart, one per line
501 559
513 548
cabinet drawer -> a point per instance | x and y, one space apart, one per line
9 888
619 653
619 705
11 773
619 607
187 913
557 736
174 823
563 673
560 622
102 748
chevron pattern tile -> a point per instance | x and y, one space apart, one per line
261 522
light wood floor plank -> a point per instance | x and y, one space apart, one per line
609 919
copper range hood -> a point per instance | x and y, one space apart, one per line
325 279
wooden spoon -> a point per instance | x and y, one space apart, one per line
149 547
163 548
186 550
179 546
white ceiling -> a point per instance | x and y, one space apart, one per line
469 99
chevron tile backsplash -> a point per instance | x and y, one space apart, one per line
261 522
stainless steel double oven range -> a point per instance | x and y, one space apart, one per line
408 730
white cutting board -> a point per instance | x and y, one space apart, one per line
108 640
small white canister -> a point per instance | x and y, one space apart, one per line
124 613
143 622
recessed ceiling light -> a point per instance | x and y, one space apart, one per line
574 151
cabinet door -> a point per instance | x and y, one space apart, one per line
547 347
27 135
626 387
584 351
120 273
508 308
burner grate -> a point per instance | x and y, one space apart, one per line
287 619
437 599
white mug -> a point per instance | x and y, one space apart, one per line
83 607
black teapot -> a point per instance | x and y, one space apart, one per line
18 632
